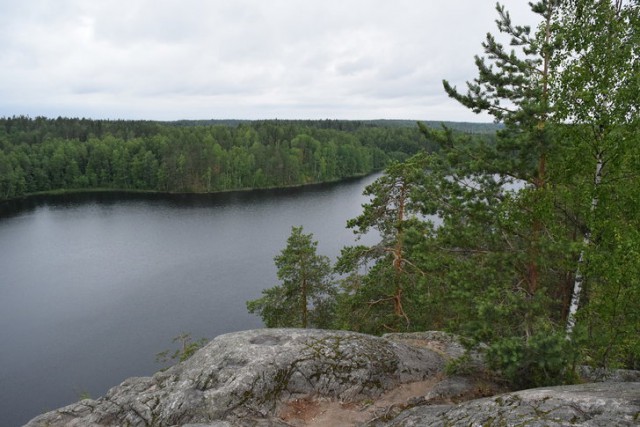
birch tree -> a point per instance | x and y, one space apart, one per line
598 96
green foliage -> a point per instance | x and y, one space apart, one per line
42 154
598 92
381 279
83 394
306 296
187 347
513 87
462 365
611 316
500 265
545 358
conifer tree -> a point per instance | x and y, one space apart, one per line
306 294
377 300
513 212
509 249
513 87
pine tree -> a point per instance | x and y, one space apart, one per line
513 87
506 251
305 297
377 300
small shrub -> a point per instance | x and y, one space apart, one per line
544 359
185 351
461 366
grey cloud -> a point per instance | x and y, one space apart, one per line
194 58
354 67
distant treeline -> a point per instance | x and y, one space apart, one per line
352 125
41 154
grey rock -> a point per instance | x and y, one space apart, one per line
448 345
214 424
240 378
450 388
243 379
593 404
590 374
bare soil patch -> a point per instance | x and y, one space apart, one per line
309 412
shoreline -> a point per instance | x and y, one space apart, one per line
73 191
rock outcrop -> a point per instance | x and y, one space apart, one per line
244 377
299 377
592 404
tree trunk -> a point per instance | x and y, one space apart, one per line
579 276
398 254
303 303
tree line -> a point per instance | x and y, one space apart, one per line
41 154
528 247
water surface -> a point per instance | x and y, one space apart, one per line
92 286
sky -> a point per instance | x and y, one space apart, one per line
242 59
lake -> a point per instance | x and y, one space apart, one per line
94 285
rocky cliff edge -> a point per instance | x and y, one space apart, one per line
297 377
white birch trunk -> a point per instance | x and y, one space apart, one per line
579 278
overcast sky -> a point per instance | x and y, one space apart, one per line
245 59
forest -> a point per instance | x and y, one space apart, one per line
41 154
527 246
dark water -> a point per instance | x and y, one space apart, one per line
92 286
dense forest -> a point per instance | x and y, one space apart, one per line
528 247
40 154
